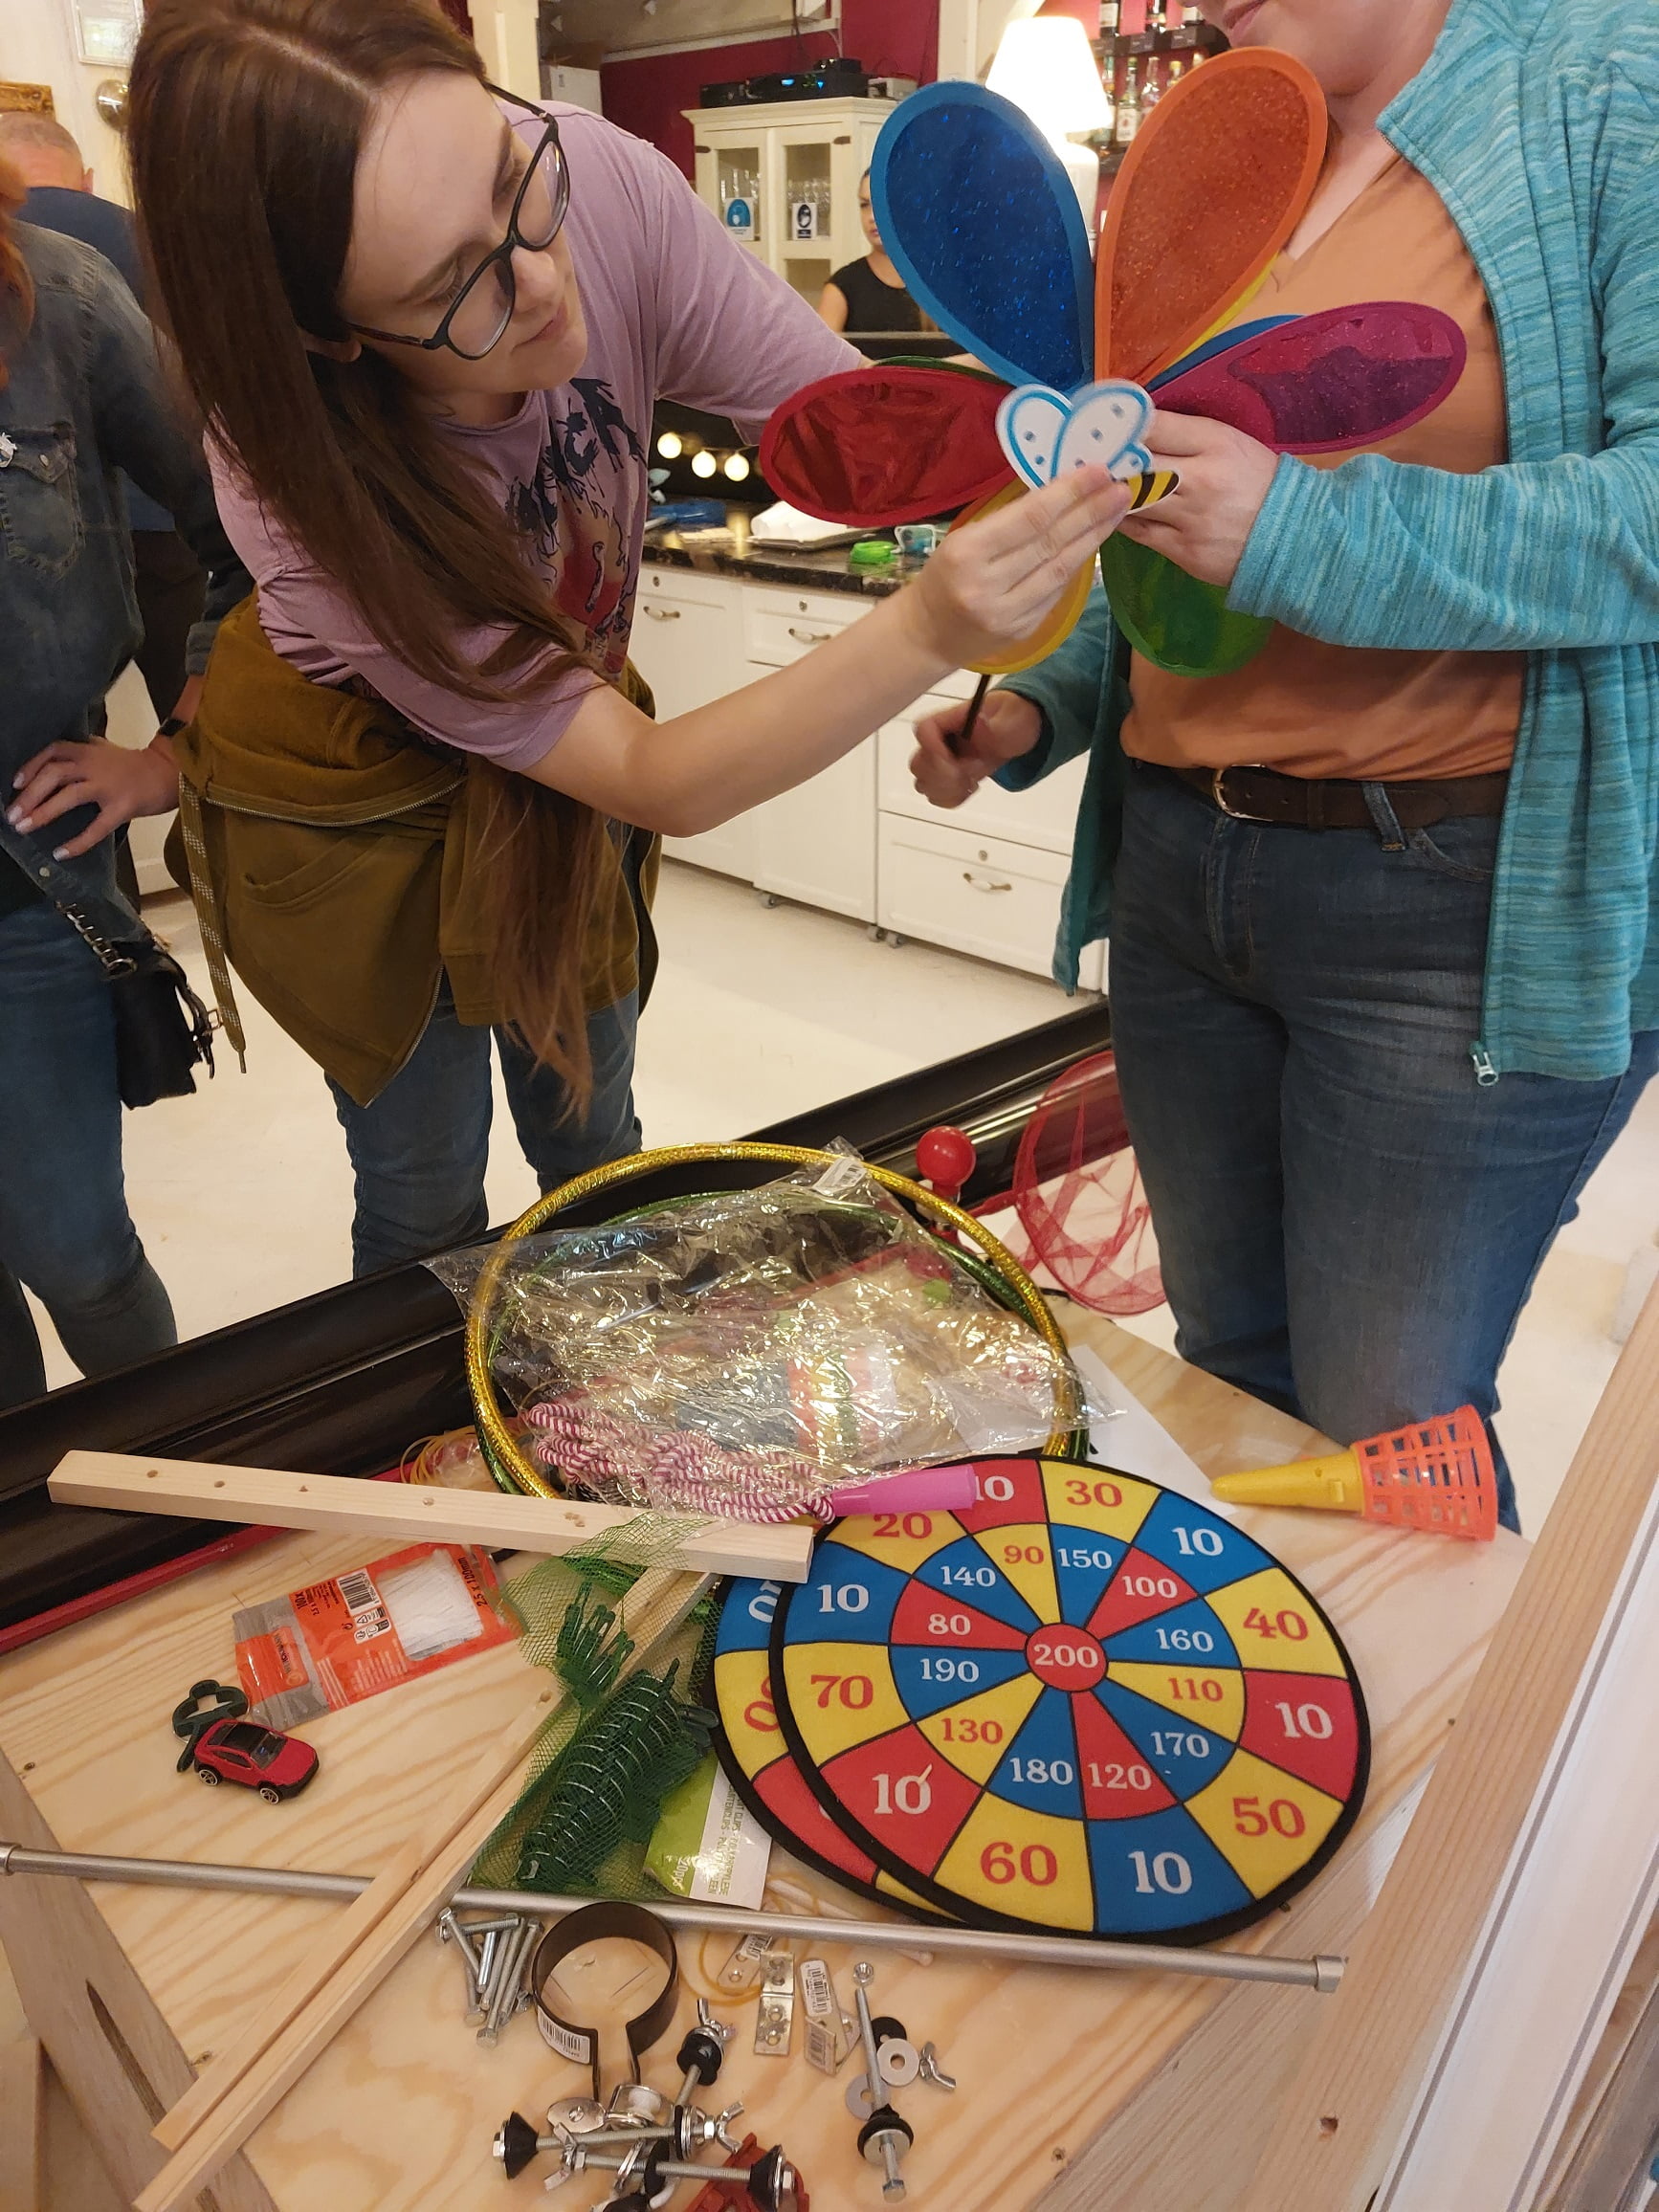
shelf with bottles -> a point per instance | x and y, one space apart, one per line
1144 48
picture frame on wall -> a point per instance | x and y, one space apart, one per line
105 31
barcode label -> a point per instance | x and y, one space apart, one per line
567 2039
817 1991
359 1592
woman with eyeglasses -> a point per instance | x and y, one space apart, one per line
427 323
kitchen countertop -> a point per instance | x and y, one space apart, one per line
728 552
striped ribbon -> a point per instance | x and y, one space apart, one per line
680 1469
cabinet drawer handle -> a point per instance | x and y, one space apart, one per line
811 636
979 882
663 613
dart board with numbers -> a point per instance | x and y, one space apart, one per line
1084 1704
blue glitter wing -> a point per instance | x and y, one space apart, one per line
984 226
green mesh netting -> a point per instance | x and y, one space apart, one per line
617 1747
1175 621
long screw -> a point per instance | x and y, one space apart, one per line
505 1996
703 2130
863 1975
450 1931
893 2185
771 2171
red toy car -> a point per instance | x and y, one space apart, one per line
277 1766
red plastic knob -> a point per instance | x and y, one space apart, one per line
945 1158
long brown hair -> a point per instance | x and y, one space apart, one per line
14 278
245 122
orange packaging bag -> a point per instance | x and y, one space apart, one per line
335 1643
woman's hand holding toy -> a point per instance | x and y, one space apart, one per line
1205 524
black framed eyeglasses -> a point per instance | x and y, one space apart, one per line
478 317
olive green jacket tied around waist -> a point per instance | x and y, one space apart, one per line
338 857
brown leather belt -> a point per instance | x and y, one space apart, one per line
1248 794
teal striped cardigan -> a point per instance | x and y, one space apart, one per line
1538 122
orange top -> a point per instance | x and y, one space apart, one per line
1329 710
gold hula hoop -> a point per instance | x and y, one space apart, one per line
501 1447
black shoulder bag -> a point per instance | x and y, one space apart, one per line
162 1029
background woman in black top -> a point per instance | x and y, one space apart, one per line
869 295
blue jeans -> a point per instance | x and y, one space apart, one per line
64 1226
1349 1223
419 1150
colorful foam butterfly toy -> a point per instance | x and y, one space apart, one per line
983 225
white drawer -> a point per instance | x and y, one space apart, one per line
998 901
682 588
1045 816
780 626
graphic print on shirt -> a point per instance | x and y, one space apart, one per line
578 512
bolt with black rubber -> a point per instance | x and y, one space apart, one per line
771 2181
883 2140
703 2053
515 2144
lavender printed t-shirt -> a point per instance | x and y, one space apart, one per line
675 309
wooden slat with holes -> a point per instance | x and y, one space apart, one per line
397 2114
412 1512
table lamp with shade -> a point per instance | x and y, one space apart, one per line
1044 66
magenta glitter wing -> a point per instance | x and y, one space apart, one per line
1349 376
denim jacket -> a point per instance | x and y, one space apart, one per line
85 398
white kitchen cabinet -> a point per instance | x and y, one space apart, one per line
858 839
793 165
983 895
1044 815
816 843
688 643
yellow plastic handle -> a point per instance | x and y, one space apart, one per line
1332 1483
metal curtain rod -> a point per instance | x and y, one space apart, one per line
1320 1973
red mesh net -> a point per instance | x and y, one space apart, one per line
1078 1196
1432 1474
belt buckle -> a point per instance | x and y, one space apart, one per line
1218 792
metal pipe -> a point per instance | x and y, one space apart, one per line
1321 1972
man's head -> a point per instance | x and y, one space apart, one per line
43 152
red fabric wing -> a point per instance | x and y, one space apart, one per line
1347 377
886 445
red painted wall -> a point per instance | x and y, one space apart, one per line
890 37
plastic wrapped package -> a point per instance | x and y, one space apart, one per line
738 1353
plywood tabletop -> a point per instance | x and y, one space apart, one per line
398 2114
